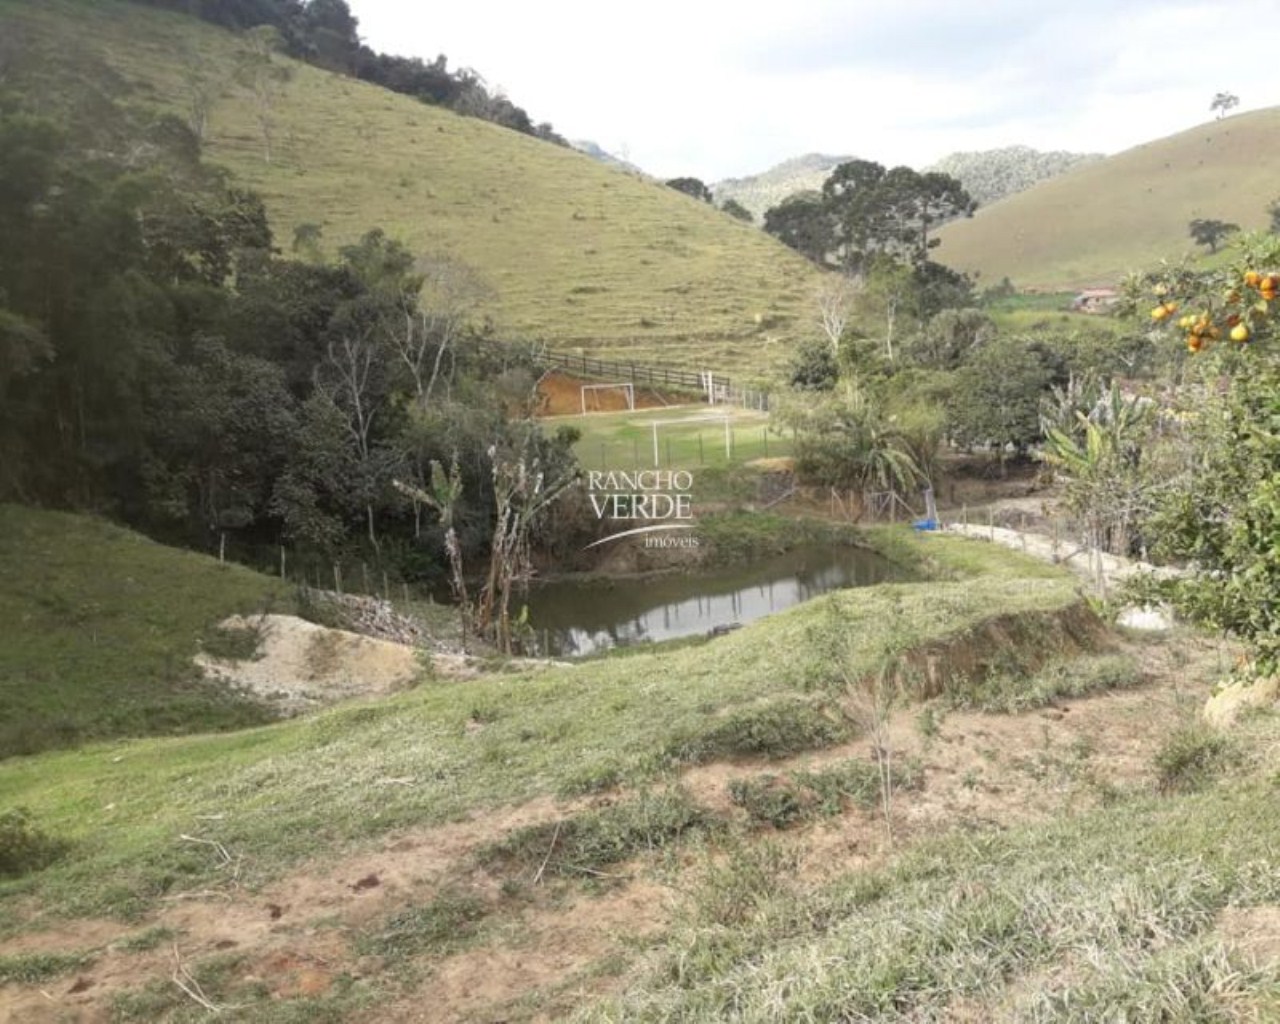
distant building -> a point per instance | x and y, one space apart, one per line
1095 300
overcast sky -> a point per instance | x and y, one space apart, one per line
716 89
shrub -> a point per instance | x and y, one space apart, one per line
441 926
768 799
772 730
234 643
24 847
1191 758
589 842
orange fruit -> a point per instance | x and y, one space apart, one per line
1194 342
1160 312
1251 278
1240 333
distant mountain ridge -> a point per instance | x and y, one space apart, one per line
988 175
758 192
992 174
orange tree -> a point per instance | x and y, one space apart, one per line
1223 517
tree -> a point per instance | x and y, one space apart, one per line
1095 436
692 187
834 303
1211 232
525 483
1273 215
890 212
814 367
735 209
1222 512
886 295
1223 515
434 318
203 89
996 400
1223 102
847 440
952 337
258 71
803 222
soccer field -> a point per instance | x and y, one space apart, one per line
682 437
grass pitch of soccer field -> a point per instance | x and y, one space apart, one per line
681 437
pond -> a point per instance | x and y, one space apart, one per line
576 617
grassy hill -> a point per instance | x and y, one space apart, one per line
101 628
579 254
1097 222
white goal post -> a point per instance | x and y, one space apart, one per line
726 418
627 389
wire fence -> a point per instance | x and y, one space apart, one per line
710 446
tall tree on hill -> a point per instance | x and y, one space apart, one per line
736 210
804 223
264 77
865 211
1223 103
1211 232
853 198
334 34
692 187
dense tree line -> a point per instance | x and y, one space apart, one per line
325 33
163 363
903 366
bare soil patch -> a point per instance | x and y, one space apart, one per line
560 394
299 666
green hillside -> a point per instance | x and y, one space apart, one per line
1099 221
102 627
578 254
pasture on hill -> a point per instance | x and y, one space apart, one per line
1097 222
106 623
578 255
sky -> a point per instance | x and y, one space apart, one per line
713 89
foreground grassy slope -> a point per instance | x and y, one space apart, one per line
1096 223
578 254
307 786
100 628
1115 915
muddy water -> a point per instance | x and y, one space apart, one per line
574 617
